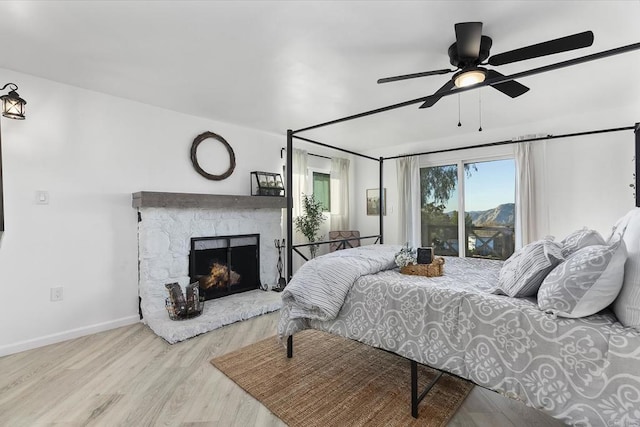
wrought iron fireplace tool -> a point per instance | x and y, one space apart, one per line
281 280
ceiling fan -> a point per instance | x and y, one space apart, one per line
470 51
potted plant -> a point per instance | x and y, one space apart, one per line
309 223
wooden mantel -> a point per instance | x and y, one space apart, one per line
152 199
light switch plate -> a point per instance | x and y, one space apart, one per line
42 197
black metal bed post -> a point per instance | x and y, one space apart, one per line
289 346
637 183
414 389
415 397
381 200
289 217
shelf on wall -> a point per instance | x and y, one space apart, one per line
153 199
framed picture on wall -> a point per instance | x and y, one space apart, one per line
373 200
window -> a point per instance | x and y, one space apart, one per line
322 189
439 208
489 201
473 203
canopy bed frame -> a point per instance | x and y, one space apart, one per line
417 396
291 135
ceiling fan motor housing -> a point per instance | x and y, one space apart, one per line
462 62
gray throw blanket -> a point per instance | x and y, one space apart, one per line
320 286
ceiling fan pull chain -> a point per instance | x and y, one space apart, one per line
480 108
459 123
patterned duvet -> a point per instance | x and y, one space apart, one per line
582 371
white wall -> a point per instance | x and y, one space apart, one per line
583 181
91 151
588 181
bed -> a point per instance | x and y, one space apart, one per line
584 371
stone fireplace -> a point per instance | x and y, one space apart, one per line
170 224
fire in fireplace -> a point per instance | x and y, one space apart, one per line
225 265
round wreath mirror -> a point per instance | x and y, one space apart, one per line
194 156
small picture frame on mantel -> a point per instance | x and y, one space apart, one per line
373 201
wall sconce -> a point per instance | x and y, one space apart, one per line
13 108
12 105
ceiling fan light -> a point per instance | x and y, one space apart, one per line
469 77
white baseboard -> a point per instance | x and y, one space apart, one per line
66 335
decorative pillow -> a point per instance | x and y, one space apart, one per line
524 271
627 306
588 281
580 239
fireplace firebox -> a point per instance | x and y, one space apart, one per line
225 265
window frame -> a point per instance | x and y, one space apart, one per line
462 158
311 171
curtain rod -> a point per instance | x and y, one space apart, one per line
512 141
283 149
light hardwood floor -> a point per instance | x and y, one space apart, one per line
131 377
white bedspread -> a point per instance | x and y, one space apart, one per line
319 288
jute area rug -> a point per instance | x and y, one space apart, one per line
333 381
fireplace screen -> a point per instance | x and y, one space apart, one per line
225 265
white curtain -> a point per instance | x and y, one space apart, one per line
300 186
339 194
526 227
300 180
408 201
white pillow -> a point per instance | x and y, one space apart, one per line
580 239
627 306
587 282
523 272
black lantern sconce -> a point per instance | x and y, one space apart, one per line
12 105
13 108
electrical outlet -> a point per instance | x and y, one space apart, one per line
56 294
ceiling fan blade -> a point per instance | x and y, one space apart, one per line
511 88
468 37
531 72
563 44
446 88
414 75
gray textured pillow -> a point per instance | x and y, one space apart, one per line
627 305
524 271
588 281
580 239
